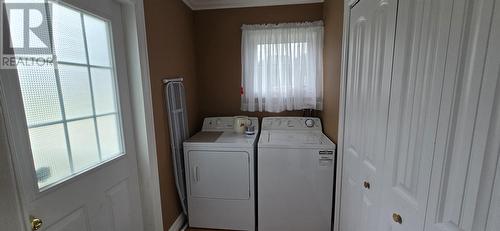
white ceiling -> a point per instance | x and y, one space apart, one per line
219 4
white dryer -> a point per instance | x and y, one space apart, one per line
219 167
295 166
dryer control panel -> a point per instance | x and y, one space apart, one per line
291 123
225 123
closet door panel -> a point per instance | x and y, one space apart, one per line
420 52
464 189
352 180
367 99
479 200
487 208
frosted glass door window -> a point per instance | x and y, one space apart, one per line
68 35
97 41
72 107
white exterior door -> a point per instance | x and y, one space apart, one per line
69 123
371 42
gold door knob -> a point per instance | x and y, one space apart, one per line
366 184
397 218
36 223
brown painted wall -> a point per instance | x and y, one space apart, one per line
170 34
203 47
332 17
218 52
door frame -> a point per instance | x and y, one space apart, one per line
11 210
348 4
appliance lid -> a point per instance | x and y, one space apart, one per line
205 137
225 138
297 138
294 139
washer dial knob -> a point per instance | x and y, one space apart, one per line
309 123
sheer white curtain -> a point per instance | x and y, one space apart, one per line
282 67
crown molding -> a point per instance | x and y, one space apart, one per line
223 4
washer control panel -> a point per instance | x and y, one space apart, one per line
309 123
291 123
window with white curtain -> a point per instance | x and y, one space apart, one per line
282 67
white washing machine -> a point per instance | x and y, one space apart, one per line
295 166
219 167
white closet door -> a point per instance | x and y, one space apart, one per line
371 42
465 186
419 62
440 166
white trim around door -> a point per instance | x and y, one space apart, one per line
142 104
340 142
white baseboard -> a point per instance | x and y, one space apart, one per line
178 224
